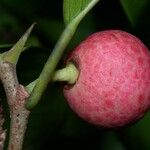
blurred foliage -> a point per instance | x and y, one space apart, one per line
137 13
134 9
71 10
52 124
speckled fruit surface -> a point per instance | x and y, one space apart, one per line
113 87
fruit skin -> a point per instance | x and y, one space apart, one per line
113 87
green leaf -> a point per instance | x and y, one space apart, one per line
134 9
73 8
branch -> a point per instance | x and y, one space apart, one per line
16 96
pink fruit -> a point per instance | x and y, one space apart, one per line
113 87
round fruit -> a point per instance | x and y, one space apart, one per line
113 87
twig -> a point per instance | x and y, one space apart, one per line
16 96
49 67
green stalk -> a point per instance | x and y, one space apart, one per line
48 70
69 74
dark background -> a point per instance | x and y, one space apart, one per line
52 124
